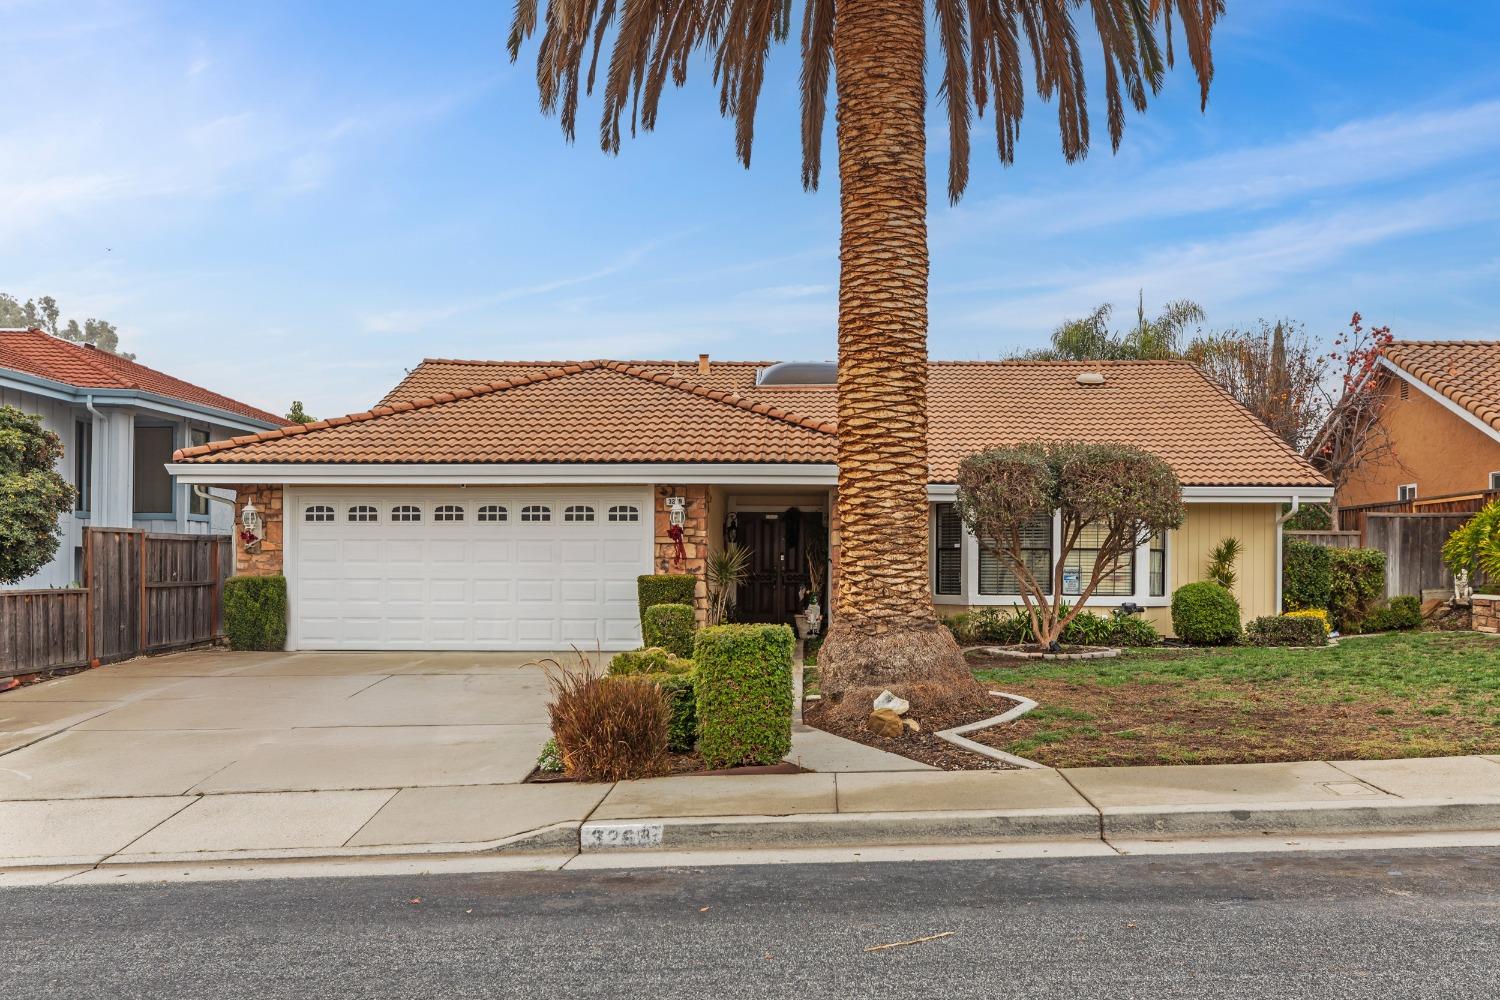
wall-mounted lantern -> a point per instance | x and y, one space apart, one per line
252 527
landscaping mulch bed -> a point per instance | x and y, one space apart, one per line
923 746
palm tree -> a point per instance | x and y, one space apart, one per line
1090 339
883 628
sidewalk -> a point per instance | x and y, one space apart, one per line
1126 809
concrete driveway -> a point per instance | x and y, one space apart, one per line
194 752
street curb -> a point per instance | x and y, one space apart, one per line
839 830
1399 816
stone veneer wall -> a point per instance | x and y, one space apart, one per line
1486 613
267 561
694 540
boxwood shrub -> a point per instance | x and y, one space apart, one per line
1011 627
664 588
255 612
1306 575
669 626
1397 614
1205 614
1357 583
744 689
1286 630
651 660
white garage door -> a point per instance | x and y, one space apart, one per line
466 569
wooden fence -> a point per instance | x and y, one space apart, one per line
142 593
1327 539
1354 518
1413 547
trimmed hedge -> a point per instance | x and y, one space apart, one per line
1398 614
255 612
652 660
744 687
1287 630
1306 575
1011 627
1357 584
669 626
664 588
1205 614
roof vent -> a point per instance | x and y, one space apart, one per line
799 373
1090 378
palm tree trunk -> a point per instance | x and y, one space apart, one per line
884 630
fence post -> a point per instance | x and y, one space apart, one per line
88 595
145 609
215 595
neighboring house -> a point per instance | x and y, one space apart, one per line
499 505
1438 425
120 422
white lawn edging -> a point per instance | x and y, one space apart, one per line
956 734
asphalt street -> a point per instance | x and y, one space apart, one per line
1413 924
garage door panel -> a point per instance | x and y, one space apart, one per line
463 582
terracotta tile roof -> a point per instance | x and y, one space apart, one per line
1465 371
610 411
36 353
436 375
1165 407
591 411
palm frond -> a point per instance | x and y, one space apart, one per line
817 61
953 33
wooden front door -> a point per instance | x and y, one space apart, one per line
778 565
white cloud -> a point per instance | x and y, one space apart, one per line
1352 155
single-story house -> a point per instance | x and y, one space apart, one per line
120 422
1438 424
511 505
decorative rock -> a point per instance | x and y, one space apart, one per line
884 722
912 724
888 700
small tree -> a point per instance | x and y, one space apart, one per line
1127 494
298 415
1354 437
32 495
1221 560
1474 548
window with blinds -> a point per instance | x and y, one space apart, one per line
948 551
997 576
1078 569
1158 565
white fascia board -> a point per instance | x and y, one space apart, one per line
538 474
1442 400
944 492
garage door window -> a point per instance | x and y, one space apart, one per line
578 513
363 513
318 513
624 513
448 512
493 513
536 512
406 513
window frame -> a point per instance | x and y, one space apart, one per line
362 509
939 549
530 510
1402 496
580 513
1004 565
623 513
83 467
135 473
444 513
1495 480
320 509
399 512
484 509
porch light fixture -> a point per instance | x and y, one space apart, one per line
252 527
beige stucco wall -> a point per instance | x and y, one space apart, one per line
1433 447
1254 524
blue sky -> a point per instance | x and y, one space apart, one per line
304 199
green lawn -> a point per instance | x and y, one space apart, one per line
1397 695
